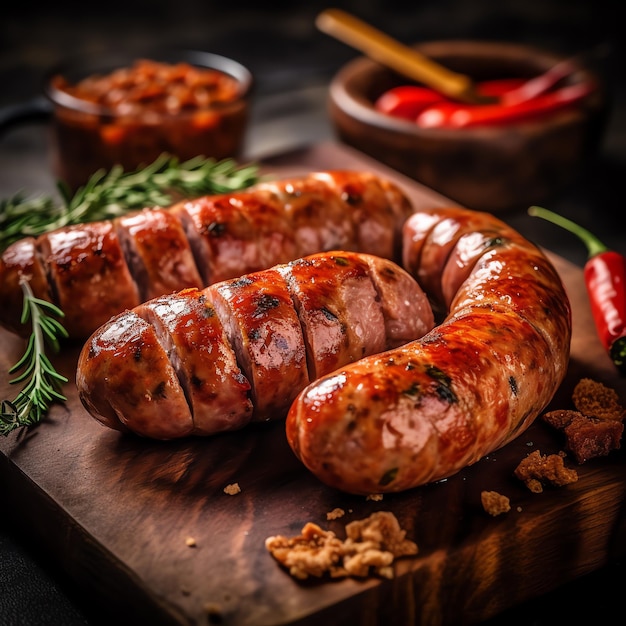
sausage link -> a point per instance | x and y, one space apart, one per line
94 271
424 411
21 261
202 361
146 398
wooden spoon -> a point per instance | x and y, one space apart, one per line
395 55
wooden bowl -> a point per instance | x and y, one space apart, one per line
496 168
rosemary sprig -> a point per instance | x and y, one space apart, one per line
42 382
109 194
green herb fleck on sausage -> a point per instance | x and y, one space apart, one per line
388 477
444 384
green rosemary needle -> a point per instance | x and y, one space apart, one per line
42 383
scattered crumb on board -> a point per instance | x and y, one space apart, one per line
595 399
370 547
537 470
495 503
232 489
335 514
595 427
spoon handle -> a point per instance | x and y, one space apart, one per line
395 55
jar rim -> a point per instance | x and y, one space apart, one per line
76 69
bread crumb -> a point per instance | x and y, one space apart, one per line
595 427
495 503
371 545
560 418
191 542
232 489
375 497
335 514
537 469
594 399
588 437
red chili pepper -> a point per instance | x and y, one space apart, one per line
605 280
408 101
450 115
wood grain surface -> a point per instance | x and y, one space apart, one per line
115 511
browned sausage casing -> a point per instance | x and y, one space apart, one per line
97 270
198 362
424 411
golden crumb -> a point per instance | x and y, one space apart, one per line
596 427
371 545
375 497
495 503
537 469
335 514
587 437
232 489
191 542
560 418
594 399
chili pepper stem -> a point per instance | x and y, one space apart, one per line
617 353
593 244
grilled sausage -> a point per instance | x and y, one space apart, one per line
422 412
202 361
94 271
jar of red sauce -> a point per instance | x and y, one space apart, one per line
128 111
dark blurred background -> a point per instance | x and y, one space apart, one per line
292 63
281 43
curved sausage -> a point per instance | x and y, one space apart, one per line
94 271
424 411
202 361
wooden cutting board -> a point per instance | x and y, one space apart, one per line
115 511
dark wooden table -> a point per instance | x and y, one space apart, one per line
293 63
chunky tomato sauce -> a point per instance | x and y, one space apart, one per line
150 86
133 114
